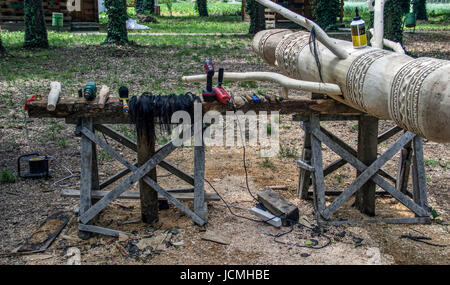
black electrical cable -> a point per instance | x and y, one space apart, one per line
236 215
243 147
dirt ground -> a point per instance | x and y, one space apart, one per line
25 204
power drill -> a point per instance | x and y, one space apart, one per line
211 94
221 95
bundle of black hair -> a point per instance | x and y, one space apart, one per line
145 108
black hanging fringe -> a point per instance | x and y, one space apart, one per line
145 108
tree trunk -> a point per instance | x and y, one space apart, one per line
420 8
117 17
257 16
326 13
149 6
35 29
2 49
202 7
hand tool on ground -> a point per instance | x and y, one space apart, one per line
80 92
123 96
90 91
53 96
103 96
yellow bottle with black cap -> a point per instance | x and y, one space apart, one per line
358 27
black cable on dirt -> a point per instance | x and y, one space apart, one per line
243 147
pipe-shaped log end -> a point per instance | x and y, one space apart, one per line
265 42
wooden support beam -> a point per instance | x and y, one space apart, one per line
404 168
319 181
149 197
101 230
72 108
419 177
409 221
367 154
304 179
135 195
86 174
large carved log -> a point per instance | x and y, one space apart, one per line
415 93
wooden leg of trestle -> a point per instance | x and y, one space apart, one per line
86 174
149 197
367 153
419 177
304 177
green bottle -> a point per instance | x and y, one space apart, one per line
90 91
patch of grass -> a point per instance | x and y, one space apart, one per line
338 178
6 176
63 142
287 152
248 84
285 127
355 127
103 155
267 164
433 162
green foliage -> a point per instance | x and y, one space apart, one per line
287 152
139 6
117 17
326 13
149 6
169 5
257 17
420 9
393 20
267 164
7 176
202 7
35 29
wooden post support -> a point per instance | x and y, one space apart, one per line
404 169
200 207
86 174
304 180
149 197
367 153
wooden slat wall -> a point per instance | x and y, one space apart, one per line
9 11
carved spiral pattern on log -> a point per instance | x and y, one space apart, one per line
356 76
288 50
405 91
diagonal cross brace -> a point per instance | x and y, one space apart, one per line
368 173
128 182
133 168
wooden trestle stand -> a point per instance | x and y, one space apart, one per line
367 163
